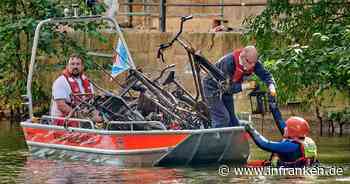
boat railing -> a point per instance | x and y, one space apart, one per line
52 120
88 124
153 124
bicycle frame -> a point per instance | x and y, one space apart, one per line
197 63
163 102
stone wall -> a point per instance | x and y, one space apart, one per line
233 14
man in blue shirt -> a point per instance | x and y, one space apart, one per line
237 66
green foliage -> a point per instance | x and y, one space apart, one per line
341 117
305 45
18 20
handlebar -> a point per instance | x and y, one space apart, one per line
160 54
185 18
169 44
163 71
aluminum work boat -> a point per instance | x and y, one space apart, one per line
142 143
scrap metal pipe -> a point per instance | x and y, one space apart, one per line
215 4
139 4
195 4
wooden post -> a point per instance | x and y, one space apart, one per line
162 16
130 10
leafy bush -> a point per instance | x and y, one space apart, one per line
341 117
18 20
306 45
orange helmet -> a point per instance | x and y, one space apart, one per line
296 127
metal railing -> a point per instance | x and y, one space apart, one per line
50 120
163 5
152 124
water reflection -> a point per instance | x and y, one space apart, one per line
37 171
59 171
13 152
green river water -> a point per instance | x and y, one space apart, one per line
17 166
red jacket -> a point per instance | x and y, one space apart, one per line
237 76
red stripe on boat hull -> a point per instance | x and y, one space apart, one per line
101 141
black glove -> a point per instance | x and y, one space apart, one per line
225 87
248 127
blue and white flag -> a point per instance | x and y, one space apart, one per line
120 59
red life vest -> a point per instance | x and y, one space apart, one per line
239 72
76 97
